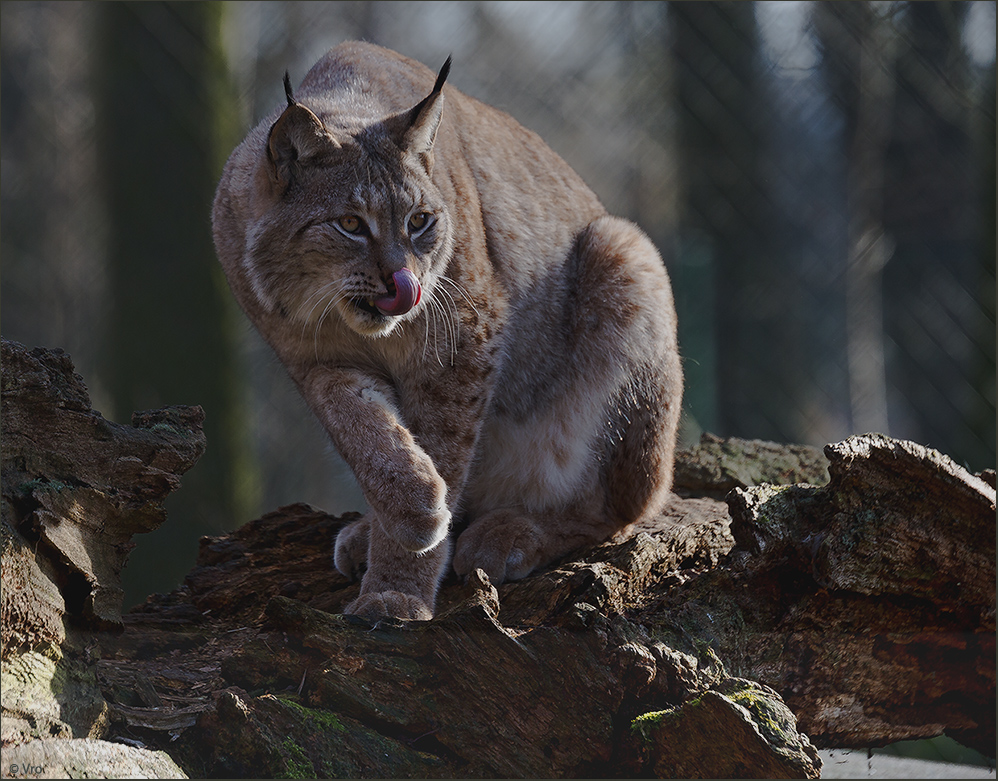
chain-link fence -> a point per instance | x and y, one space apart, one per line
819 177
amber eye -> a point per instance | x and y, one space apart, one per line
350 224
418 221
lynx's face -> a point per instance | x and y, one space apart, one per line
350 224
358 235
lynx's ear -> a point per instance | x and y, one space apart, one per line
420 123
297 137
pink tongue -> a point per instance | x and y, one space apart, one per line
407 294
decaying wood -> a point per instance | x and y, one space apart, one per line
873 599
717 466
75 489
83 486
843 599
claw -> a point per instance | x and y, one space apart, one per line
407 294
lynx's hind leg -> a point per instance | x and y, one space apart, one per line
622 279
511 543
507 544
612 402
638 472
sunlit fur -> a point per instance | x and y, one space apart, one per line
529 401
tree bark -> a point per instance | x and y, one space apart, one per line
857 607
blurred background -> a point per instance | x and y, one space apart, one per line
820 178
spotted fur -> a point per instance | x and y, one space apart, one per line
530 397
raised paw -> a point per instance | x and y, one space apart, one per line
394 604
504 544
350 556
416 531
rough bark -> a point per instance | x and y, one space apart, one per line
858 610
873 607
75 489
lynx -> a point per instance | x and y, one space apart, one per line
491 352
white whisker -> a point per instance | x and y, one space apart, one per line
326 296
446 327
443 306
427 322
432 314
462 291
336 286
451 324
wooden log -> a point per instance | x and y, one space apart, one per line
845 598
75 489
869 604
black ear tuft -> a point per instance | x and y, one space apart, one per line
442 76
418 126
287 89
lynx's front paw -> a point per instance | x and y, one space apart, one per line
419 532
504 544
393 604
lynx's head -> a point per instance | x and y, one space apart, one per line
349 223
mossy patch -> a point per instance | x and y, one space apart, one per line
773 718
314 740
42 485
313 717
648 723
297 764
775 508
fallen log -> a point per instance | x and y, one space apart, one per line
838 599
75 489
873 599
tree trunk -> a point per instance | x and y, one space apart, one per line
870 248
726 253
164 101
858 610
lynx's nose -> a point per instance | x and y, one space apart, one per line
406 296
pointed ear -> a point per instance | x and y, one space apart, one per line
419 128
297 137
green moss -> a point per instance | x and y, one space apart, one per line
777 510
43 484
170 431
296 761
773 718
648 723
322 719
